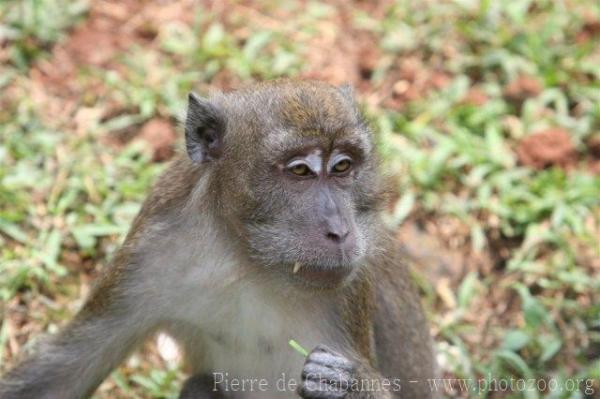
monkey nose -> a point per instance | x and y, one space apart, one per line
337 237
337 232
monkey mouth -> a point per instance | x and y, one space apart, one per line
321 276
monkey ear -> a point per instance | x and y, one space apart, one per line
204 129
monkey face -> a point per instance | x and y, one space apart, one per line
297 179
313 201
310 225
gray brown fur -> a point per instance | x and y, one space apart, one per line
209 260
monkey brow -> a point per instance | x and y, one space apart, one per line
353 138
292 145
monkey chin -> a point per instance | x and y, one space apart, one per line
319 277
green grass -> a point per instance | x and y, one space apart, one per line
456 160
32 26
67 198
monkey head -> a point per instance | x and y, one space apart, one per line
293 173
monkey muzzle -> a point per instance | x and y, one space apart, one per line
321 276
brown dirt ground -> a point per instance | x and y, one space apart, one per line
551 147
522 88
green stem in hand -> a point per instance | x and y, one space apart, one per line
298 348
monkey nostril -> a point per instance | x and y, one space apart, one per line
337 237
333 237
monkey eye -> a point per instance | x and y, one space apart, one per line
299 168
342 166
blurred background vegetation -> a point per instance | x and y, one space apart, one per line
487 115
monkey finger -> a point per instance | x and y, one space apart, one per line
318 372
325 348
319 390
330 360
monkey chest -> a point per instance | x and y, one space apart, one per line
246 344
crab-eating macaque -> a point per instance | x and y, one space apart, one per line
268 229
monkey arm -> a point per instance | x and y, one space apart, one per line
121 312
403 344
387 326
115 318
329 374
72 364
371 384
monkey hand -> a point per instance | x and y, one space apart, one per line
326 374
